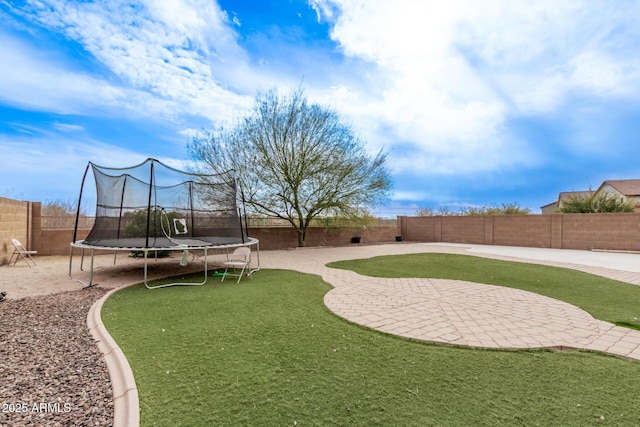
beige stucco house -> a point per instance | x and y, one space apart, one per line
628 189
555 206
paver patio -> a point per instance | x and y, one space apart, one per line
464 313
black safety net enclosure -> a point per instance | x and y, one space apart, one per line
152 205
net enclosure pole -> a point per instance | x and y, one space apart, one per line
75 229
193 222
151 184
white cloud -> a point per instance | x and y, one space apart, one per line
38 80
451 74
604 75
68 127
322 9
49 167
533 53
167 52
401 195
34 80
189 132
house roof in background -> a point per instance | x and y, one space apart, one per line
628 187
563 196
554 203
569 194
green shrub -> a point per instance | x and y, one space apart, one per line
597 203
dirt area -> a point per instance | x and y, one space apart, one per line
51 273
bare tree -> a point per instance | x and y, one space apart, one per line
59 207
503 209
296 161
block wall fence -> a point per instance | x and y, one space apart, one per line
620 231
18 220
609 231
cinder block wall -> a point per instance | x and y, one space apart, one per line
58 242
463 229
561 231
286 237
601 231
18 220
533 231
613 231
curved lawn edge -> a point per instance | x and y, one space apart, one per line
126 405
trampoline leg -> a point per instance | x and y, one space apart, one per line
251 271
145 268
86 285
91 274
70 261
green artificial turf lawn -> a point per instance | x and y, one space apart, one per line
267 352
605 299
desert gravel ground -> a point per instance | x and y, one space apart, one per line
52 371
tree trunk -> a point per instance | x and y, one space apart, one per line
302 237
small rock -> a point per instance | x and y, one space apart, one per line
51 363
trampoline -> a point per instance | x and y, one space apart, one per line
152 207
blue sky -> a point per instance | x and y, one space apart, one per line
477 102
